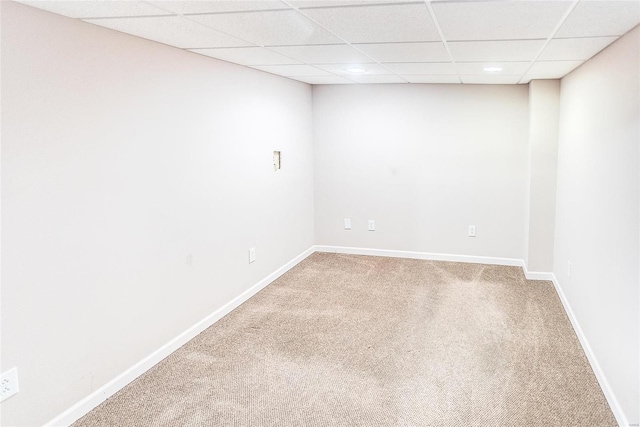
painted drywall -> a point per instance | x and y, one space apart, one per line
424 162
544 104
135 177
597 221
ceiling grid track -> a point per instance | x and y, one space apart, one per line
390 41
548 40
187 17
434 18
347 43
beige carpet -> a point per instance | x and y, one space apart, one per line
345 340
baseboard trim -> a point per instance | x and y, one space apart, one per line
530 275
593 361
85 405
536 275
420 255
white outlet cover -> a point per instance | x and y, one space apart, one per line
372 225
347 223
252 255
9 384
472 231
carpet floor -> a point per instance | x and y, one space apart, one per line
347 340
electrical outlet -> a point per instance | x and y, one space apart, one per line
9 383
472 231
372 225
252 255
347 223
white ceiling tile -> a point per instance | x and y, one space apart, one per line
371 69
499 20
97 9
334 3
324 54
504 50
529 77
422 68
247 56
575 49
293 70
493 80
508 68
406 52
377 79
269 28
171 30
323 80
209 6
601 18
432 79
397 33
377 23
553 69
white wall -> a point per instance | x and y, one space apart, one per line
424 161
597 221
121 160
135 177
544 104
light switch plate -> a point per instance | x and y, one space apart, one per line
276 161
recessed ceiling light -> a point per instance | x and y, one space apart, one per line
356 70
493 69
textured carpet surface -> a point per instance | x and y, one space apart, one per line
346 340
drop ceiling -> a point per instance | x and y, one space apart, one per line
376 41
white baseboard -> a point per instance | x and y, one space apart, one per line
530 275
81 408
536 275
420 255
593 361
